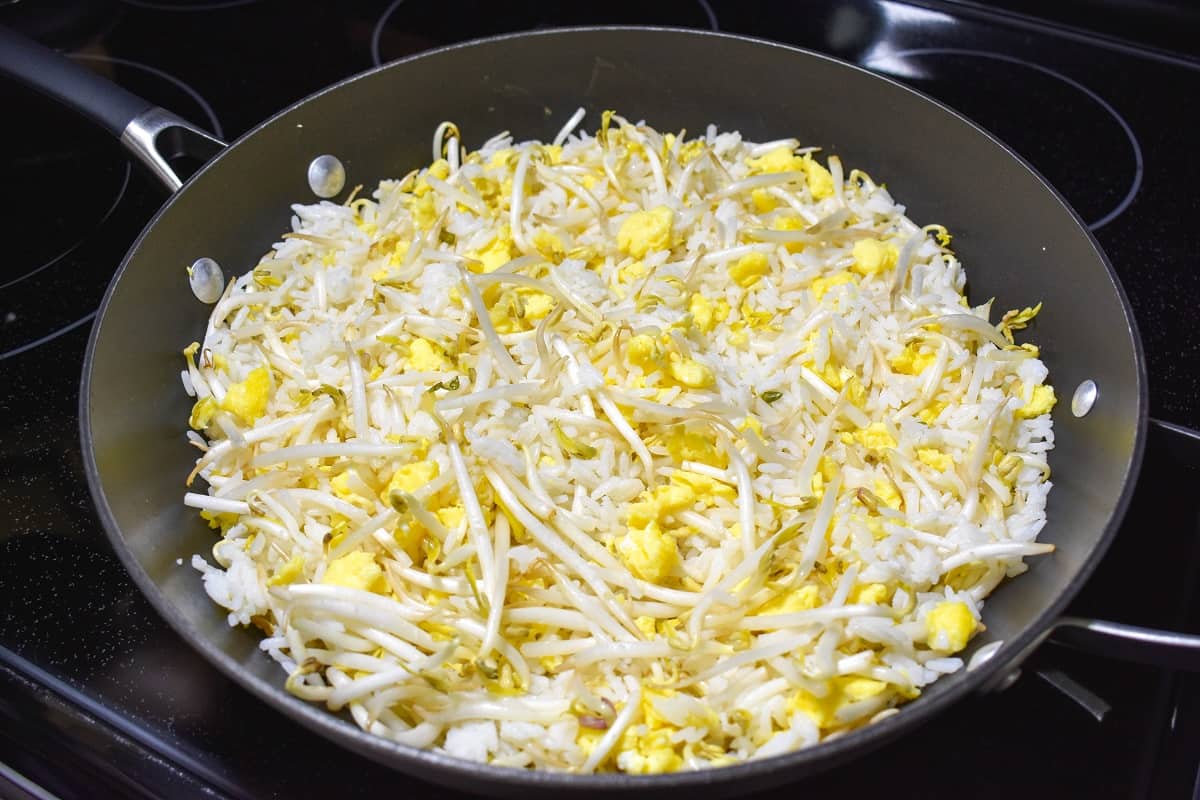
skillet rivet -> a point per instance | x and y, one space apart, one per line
1084 398
206 279
326 176
1008 680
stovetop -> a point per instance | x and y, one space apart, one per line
98 697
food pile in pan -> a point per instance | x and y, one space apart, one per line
630 452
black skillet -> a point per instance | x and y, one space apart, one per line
1020 241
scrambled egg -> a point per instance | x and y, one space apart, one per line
820 286
949 625
202 413
872 257
748 269
343 489
803 599
646 352
702 487
289 572
843 690
644 231
654 506
763 201
410 534
781 159
872 594
685 445
911 361
498 252
549 246
356 570
425 356
875 437
411 477
930 413
692 374
248 399
646 549
648 552
886 491
706 314
935 458
1040 400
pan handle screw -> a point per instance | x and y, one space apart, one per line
1084 398
206 279
326 176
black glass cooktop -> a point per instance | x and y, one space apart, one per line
99 698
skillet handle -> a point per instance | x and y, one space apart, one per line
151 134
1129 642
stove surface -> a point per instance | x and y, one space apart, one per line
99 697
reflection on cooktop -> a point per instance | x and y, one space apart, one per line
410 26
1042 114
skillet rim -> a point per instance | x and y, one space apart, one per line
446 769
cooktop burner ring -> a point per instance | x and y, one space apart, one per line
710 15
1139 162
16 351
211 5
42 286
216 128
75 244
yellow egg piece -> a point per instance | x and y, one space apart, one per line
425 356
1041 401
872 594
781 159
644 351
650 754
911 361
702 486
749 269
701 309
498 253
537 305
820 181
935 458
648 552
399 251
288 573
821 286
356 570
875 437
248 399
949 625
202 413
343 490
872 256
803 599
410 477
549 246
685 445
887 492
763 201
645 231
692 374
220 520
931 412
451 516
